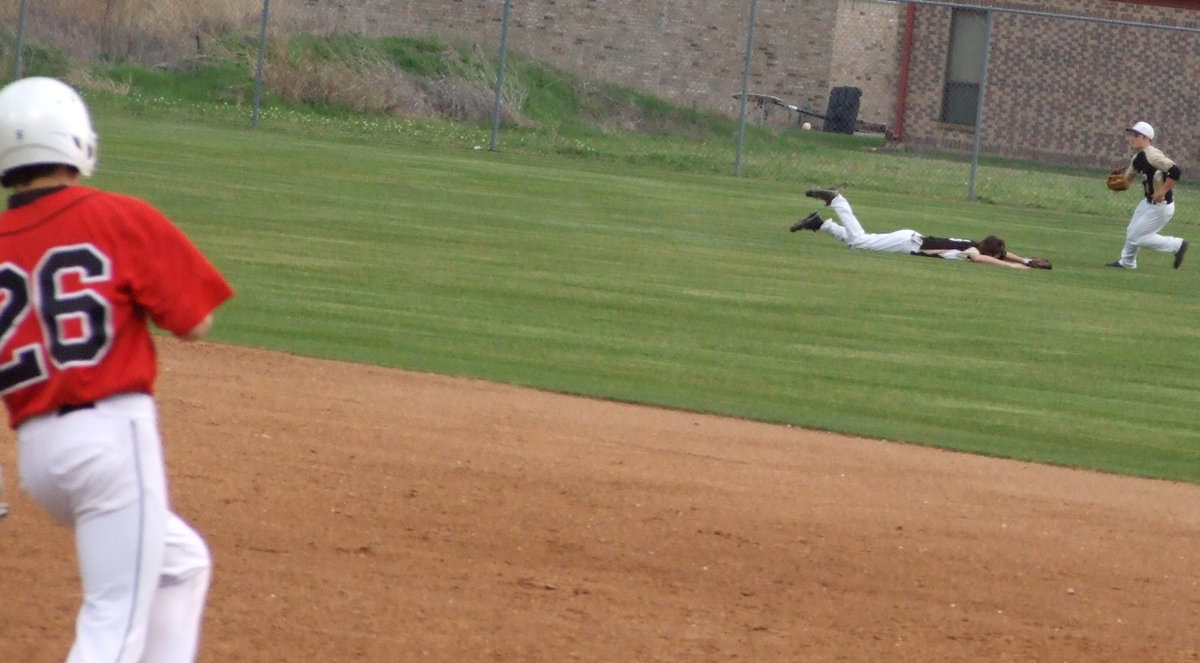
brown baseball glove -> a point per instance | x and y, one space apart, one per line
1040 263
1116 181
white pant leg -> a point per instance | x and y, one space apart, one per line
833 228
118 566
853 235
100 471
846 216
175 614
1143 229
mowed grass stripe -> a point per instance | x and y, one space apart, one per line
632 283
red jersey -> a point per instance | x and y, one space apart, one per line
81 270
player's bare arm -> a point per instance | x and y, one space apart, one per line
989 260
200 330
1012 257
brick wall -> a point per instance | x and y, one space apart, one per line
866 55
687 51
1058 90
1063 91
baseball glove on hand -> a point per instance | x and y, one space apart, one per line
1040 263
1116 181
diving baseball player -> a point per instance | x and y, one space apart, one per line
82 273
1159 175
989 251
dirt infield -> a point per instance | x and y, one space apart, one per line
366 514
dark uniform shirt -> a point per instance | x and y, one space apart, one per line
1154 167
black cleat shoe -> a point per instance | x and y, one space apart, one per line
1116 264
811 222
826 195
1179 254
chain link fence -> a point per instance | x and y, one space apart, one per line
1062 75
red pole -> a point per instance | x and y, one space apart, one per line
910 16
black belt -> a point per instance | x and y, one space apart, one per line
68 409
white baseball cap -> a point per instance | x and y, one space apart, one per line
1142 128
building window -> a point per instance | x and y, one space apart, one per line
964 66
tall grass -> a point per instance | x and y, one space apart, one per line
144 31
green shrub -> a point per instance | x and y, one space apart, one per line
419 56
218 81
36 60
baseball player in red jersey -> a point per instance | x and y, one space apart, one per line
81 274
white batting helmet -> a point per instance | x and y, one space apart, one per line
43 120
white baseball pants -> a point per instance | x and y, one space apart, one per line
145 572
852 233
1142 232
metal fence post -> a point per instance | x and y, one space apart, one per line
500 76
741 132
262 54
19 60
987 52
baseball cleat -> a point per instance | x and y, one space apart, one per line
811 222
826 195
1116 264
1179 254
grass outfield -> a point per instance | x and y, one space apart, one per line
620 279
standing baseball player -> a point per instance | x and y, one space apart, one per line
82 272
1159 175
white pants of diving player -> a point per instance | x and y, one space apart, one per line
852 233
145 572
1142 232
